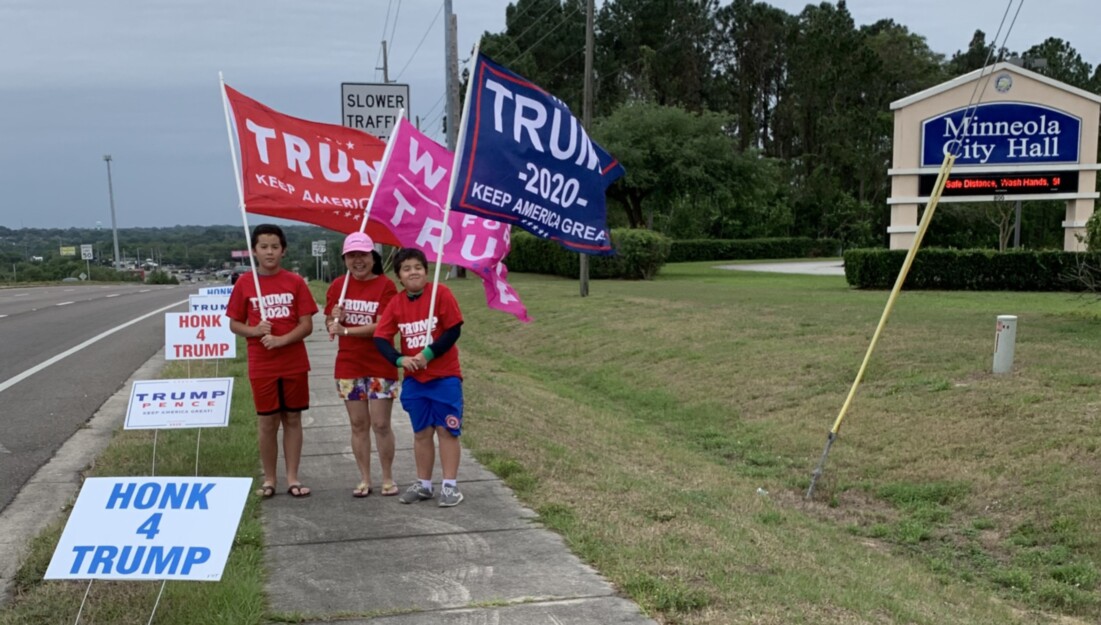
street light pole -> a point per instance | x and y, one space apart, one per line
114 225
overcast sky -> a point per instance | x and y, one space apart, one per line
138 79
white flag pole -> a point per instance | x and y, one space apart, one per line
450 196
241 199
371 200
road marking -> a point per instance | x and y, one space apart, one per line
21 294
113 295
4 450
63 303
145 290
2 316
69 352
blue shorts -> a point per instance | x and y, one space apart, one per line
437 403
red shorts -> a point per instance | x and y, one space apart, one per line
287 393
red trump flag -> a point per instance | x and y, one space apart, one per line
291 168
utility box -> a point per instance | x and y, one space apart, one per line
1005 341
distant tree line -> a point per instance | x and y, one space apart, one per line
34 254
739 120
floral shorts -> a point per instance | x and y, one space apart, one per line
362 389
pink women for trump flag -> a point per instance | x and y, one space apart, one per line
296 169
410 198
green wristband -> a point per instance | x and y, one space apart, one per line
428 355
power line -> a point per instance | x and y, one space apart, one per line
386 20
547 34
394 27
536 22
441 114
414 55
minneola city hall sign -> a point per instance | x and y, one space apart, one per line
1030 138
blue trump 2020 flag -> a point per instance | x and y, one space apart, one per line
526 160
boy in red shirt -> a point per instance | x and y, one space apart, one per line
278 366
432 392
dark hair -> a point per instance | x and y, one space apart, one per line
269 229
405 254
376 264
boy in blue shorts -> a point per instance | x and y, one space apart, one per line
432 392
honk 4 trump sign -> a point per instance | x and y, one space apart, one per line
180 403
135 528
198 335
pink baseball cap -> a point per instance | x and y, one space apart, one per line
358 242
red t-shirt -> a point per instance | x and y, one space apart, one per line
357 356
286 299
409 318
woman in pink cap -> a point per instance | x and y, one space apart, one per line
365 381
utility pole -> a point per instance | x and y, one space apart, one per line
114 224
1017 225
385 65
451 45
451 85
587 118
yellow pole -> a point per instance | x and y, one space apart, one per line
926 217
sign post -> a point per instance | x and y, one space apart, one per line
372 108
86 256
318 250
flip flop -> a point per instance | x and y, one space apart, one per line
298 490
362 490
390 489
267 491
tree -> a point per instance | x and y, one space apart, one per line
1001 214
683 169
750 56
1059 61
655 50
977 55
544 41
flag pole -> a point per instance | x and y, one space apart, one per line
450 196
927 216
241 199
371 200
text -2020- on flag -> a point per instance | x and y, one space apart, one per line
524 159
291 168
409 201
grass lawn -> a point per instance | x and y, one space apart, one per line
668 430
648 421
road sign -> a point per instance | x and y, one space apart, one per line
86 252
373 107
318 248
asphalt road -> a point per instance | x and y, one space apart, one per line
42 403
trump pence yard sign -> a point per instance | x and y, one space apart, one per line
141 528
179 403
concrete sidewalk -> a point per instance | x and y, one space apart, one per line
809 267
331 557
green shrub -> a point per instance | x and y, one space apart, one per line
639 256
1093 232
161 277
750 249
975 270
